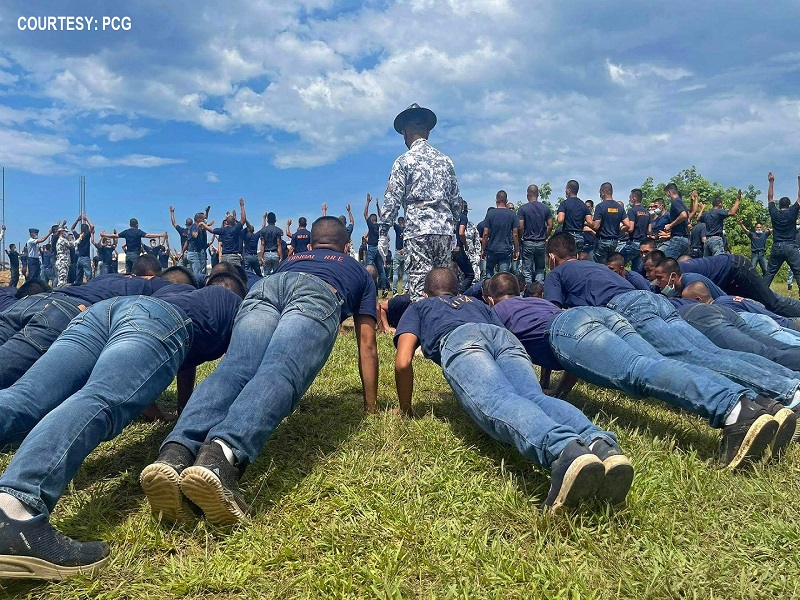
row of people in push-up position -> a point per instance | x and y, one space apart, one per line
105 353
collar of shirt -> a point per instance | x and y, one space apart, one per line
418 143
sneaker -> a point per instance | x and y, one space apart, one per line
787 422
618 472
576 475
747 439
33 549
213 484
161 482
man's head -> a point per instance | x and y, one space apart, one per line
583 255
153 243
501 287
33 232
12 247
716 202
441 281
561 248
134 223
635 196
657 207
668 277
572 188
228 281
328 233
646 247
250 228
229 221
188 222
401 221
146 265
415 123
651 261
671 190
697 291
501 198
759 228
616 262
303 222
85 229
589 204
373 218
606 191
533 192
784 202
535 289
464 207
271 218
179 274
199 217
29 288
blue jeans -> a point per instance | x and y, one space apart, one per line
34 269
234 259
579 336
766 324
579 241
271 262
398 269
714 245
783 252
196 261
284 332
677 246
501 260
495 383
657 321
630 250
251 264
759 259
603 249
130 258
84 268
29 327
374 258
533 263
77 395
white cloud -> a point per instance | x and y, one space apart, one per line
629 75
144 161
120 131
212 177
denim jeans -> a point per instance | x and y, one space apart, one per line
767 325
657 321
495 383
533 263
14 276
603 249
398 269
34 269
195 262
374 258
580 335
759 259
234 259
630 250
783 252
64 413
130 258
283 334
714 245
29 327
84 268
251 264
501 260
271 262
677 246
747 283
579 241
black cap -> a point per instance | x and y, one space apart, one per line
415 114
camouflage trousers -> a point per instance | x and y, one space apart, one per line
423 253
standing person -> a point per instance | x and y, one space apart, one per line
13 262
536 225
460 256
574 214
713 219
697 239
63 256
183 232
423 182
474 248
301 239
133 242
230 235
784 218
399 256
758 245
500 236
677 225
608 217
639 220
48 271
104 254
271 248
34 266
250 249
374 257
83 249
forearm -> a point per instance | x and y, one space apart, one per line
404 381
368 370
185 384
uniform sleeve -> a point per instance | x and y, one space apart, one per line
561 208
552 289
409 323
217 231
393 197
369 299
456 202
598 212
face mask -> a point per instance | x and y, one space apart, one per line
669 290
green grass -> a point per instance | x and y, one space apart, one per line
348 506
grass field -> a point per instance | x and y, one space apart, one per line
348 506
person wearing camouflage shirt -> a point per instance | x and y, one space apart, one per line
474 248
422 181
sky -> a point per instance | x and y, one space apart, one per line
290 103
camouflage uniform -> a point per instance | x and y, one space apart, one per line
62 260
474 248
423 181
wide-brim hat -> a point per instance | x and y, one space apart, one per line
415 114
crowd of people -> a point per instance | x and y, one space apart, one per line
620 297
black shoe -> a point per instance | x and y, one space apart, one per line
787 423
161 482
618 472
576 475
33 549
746 440
213 484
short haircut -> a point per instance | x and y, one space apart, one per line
329 231
533 190
12 246
583 255
615 258
501 196
226 268
607 189
697 289
29 288
562 245
503 284
784 202
271 218
573 186
649 243
302 222
590 203
441 281
717 201
669 265
179 274
134 223
228 281
146 265
671 187
655 257
637 194
535 289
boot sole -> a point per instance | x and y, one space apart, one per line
205 489
161 485
28 567
581 481
757 440
617 481
787 426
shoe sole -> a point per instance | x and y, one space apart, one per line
205 489
755 442
161 485
787 427
28 567
617 481
581 481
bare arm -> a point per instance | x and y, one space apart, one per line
350 214
367 360
243 216
745 229
771 188
366 207
549 227
185 384
404 371
75 224
735 208
288 228
560 217
172 215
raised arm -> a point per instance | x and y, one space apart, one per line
172 216
367 360
324 210
75 224
89 223
404 371
366 207
745 229
243 216
264 221
771 188
695 200
288 228
735 208
350 214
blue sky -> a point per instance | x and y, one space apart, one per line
290 103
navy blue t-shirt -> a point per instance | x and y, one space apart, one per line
501 223
640 218
758 241
350 279
430 319
713 288
83 245
719 269
658 224
373 233
271 236
13 258
529 320
183 233
638 281
113 285
783 222
534 216
104 253
212 311
740 304
475 290
301 240
575 211
230 237
610 214
398 236
133 240
676 208
713 220
697 234
251 242
583 283
47 259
